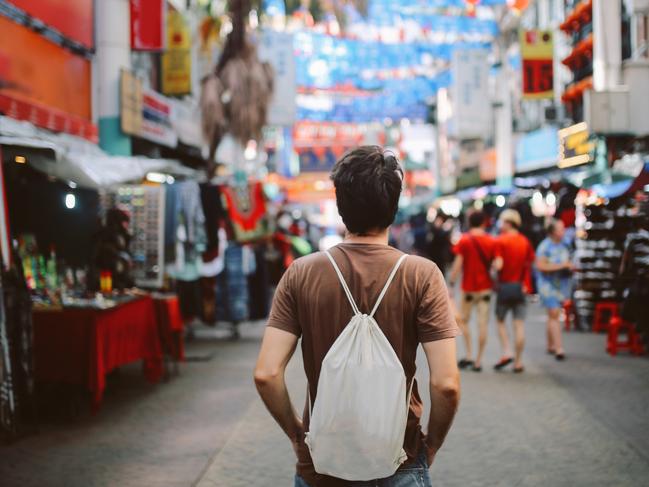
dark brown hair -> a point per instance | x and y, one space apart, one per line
368 182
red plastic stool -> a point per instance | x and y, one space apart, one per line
569 314
610 307
633 342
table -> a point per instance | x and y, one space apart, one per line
170 326
81 346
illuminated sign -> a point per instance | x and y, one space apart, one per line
537 52
575 146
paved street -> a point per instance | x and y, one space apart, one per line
582 422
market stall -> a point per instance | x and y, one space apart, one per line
81 345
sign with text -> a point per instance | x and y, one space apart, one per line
471 105
537 52
177 59
44 83
147 25
575 146
145 113
276 48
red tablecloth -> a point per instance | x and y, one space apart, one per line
171 326
81 346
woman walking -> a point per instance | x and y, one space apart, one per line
553 281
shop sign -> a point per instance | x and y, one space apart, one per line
147 24
187 123
537 52
309 134
61 100
74 19
471 106
575 146
320 145
145 113
177 59
536 150
277 49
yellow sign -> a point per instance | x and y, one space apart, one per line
131 103
177 59
537 53
575 146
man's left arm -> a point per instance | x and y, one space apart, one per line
277 348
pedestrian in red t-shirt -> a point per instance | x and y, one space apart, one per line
514 259
474 254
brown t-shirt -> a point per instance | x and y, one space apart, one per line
310 302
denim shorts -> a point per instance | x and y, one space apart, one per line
517 309
413 475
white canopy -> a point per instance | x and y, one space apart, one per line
82 162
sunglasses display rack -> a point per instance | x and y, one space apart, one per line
146 208
598 256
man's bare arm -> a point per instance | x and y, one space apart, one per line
444 391
455 270
277 349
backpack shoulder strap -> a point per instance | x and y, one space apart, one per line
343 283
387 284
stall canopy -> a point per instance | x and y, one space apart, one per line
81 162
624 188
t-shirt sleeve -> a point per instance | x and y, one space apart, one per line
458 248
435 318
283 312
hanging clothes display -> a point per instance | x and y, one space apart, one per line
188 220
258 285
232 287
214 215
246 206
16 359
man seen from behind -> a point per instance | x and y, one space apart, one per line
514 260
310 303
474 254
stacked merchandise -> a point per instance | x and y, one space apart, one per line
145 205
599 250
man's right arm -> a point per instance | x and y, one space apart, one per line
455 270
444 391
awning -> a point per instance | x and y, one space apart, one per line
82 162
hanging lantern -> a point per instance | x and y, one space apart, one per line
471 7
518 5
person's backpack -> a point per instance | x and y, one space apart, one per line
358 422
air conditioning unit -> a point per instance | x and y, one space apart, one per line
607 112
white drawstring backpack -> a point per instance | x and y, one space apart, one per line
358 423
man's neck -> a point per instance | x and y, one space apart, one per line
380 238
477 231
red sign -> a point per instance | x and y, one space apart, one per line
42 72
44 83
538 77
73 18
147 25
47 117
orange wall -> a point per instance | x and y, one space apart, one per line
37 70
